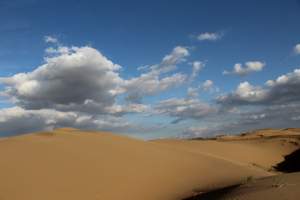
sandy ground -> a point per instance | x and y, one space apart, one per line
279 187
261 152
72 164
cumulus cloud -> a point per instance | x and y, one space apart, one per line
75 78
249 67
209 36
284 89
197 66
181 109
86 79
244 94
297 49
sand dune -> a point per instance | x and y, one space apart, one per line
262 151
73 164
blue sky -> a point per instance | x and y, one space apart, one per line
132 34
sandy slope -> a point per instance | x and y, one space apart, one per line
285 186
70 164
260 152
280 187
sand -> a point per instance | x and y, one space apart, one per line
72 164
283 186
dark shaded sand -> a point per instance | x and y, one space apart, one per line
291 163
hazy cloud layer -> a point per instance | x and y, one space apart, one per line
181 109
17 120
274 116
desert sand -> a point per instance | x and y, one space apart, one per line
283 186
72 164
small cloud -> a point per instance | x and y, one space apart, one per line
193 132
297 49
208 36
207 85
192 92
249 67
296 118
143 67
50 39
197 67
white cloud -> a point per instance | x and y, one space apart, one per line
143 68
197 66
207 85
50 39
250 67
297 49
192 92
128 108
67 80
284 89
170 61
245 92
152 82
209 36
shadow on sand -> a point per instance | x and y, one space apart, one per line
215 194
291 163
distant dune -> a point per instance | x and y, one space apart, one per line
72 164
